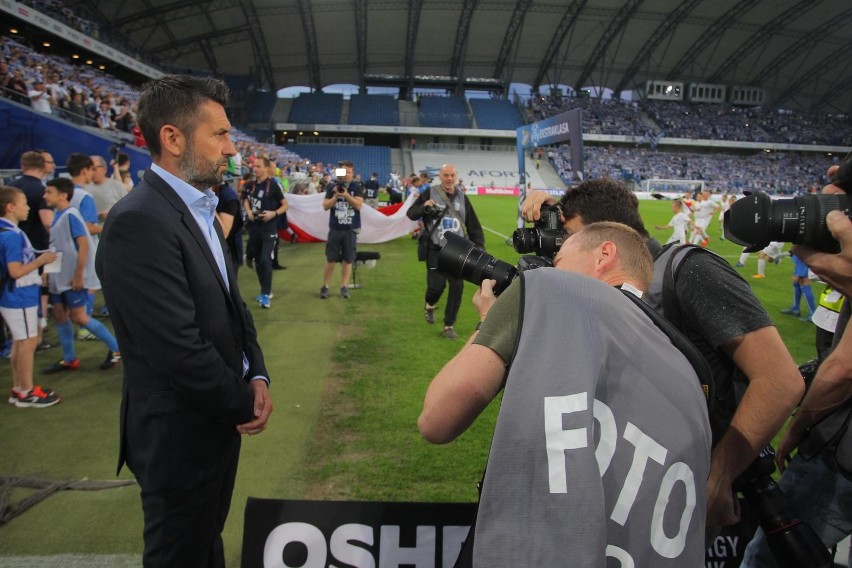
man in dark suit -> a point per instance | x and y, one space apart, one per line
194 375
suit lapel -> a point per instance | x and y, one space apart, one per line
188 221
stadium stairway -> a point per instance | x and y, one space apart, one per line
547 173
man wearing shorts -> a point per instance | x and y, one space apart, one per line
343 200
19 298
69 287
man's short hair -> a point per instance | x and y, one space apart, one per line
78 162
32 160
175 100
636 260
603 199
266 161
63 185
347 164
7 195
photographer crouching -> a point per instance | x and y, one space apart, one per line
600 451
444 209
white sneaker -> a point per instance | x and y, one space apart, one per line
86 335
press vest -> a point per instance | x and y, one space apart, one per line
453 220
602 444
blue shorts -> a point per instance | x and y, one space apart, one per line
800 269
71 299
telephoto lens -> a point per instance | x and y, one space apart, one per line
460 258
793 542
756 220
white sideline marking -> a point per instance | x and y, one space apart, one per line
73 561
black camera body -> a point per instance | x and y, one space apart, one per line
434 211
114 149
757 219
546 236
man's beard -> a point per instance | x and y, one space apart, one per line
198 172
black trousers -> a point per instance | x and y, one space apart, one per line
435 284
260 247
183 527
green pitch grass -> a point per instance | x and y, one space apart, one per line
348 383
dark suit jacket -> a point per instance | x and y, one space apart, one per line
182 336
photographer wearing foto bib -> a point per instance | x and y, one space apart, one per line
602 444
444 208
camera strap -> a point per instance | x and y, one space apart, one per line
684 345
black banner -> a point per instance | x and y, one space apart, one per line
320 534
351 534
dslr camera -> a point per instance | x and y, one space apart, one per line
434 211
460 258
340 173
546 236
757 219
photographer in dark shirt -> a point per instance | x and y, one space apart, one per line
444 209
343 200
371 191
724 320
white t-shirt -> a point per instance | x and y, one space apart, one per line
679 223
40 101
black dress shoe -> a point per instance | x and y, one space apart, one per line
278 267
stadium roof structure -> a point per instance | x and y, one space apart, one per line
797 50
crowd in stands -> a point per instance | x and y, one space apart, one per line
652 119
712 121
613 117
57 10
774 172
74 91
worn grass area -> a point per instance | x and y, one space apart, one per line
366 445
348 383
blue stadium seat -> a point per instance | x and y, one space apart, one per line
496 114
317 108
376 110
259 107
444 112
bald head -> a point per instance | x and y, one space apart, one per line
448 177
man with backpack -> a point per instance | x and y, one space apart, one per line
601 448
716 309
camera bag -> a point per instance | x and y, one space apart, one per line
423 243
